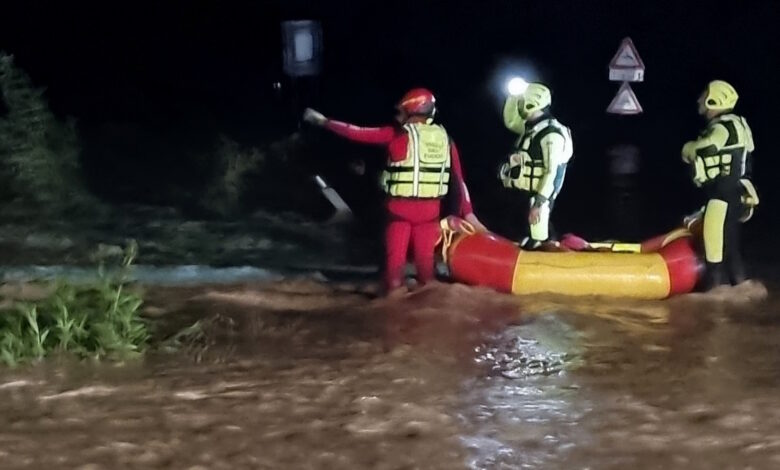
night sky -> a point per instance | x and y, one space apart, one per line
181 72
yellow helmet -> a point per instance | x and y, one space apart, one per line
536 97
720 96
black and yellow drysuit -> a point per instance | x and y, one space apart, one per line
720 161
538 163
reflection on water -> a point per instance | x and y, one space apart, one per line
298 374
508 412
625 194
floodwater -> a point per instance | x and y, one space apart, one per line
308 375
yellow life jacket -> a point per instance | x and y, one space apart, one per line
731 160
425 172
527 166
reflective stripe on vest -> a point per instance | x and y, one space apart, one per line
425 173
712 163
531 161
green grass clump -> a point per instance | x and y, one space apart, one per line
98 320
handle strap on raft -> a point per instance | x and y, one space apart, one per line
448 235
617 247
675 235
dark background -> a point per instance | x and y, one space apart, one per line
178 73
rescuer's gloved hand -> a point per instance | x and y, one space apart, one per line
689 152
314 117
503 175
749 199
534 215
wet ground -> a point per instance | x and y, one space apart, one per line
303 374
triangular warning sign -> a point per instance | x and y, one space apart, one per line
627 57
625 102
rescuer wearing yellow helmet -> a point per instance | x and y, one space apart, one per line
720 161
538 164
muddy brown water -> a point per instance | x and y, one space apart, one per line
304 375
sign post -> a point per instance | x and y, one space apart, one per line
626 66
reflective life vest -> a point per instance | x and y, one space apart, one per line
527 166
730 160
425 172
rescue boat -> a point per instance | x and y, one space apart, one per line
658 268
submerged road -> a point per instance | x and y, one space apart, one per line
304 374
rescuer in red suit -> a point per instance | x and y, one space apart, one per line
423 165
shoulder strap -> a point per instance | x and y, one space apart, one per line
551 126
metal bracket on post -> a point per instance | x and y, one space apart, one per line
343 212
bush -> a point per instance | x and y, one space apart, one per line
224 193
94 320
274 177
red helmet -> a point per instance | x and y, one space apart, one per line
418 102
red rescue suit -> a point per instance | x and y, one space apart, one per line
409 219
